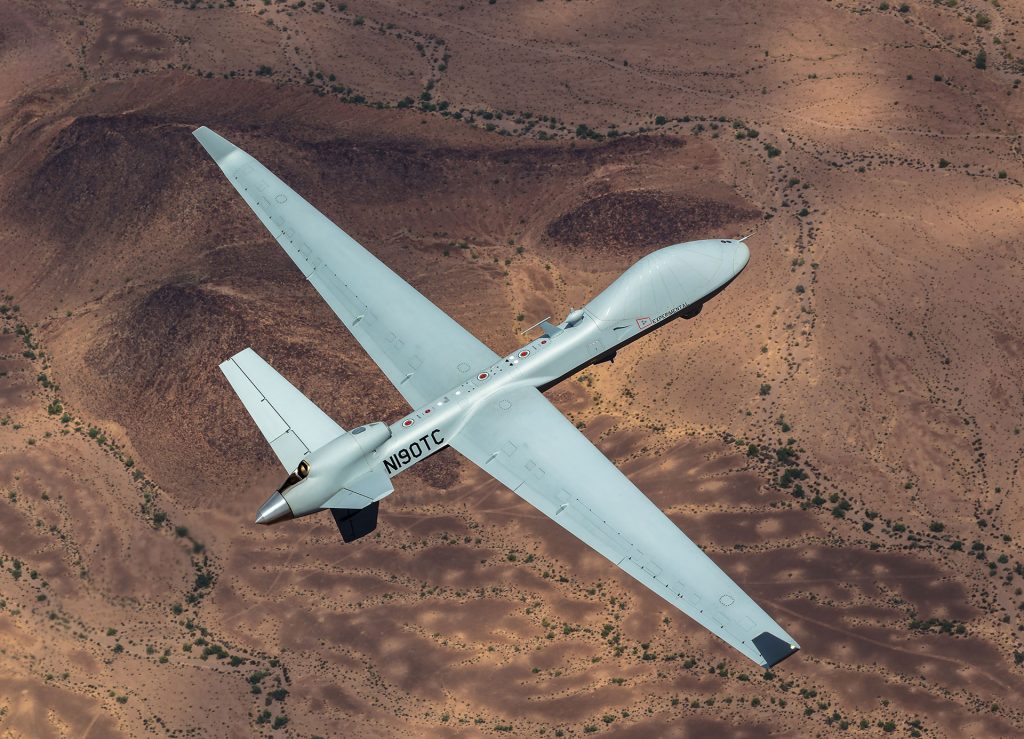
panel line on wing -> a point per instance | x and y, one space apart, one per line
288 429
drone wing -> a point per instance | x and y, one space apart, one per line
421 349
528 445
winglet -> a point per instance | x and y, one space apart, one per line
216 146
773 649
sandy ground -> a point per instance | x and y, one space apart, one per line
509 160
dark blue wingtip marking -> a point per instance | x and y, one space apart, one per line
773 649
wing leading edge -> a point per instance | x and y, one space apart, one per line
399 328
527 444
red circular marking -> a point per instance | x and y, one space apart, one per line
482 376
407 422
543 341
426 410
524 353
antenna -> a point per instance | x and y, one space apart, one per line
527 330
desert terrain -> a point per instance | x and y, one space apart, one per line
840 429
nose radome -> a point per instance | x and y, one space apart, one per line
275 509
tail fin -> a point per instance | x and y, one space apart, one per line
355 524
292 424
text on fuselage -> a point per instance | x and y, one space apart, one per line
424 445
663 316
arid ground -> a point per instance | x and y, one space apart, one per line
840 428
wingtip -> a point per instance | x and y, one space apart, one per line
773 649
216 145
793 650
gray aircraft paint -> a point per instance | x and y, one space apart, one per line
487 407
628 307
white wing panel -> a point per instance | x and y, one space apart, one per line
270 424
582 491
419 347
292 424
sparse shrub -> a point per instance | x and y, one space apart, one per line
791 474
785 454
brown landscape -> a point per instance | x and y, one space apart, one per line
840 429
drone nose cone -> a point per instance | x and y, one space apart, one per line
275 509
740 256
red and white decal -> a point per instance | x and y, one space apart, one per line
482 376
524 353
426 411
543 341
408 422
643 322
